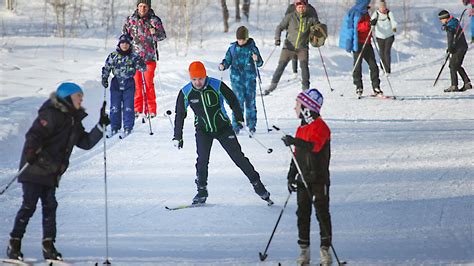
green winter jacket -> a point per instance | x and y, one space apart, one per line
298 28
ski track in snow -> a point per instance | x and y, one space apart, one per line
401 170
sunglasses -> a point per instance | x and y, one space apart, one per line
300 4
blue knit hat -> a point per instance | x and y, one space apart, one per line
68 88
125 38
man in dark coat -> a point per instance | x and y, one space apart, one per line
48 146
206 96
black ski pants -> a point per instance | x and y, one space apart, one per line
385 46
285 57
320 195
229 142
31 194
369 56
455 67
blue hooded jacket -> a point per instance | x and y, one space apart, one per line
348 37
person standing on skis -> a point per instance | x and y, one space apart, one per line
206 96
457 47
355 38
124 63
243 58
48 146
146 30
385 28
313 153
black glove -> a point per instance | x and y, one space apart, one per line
104 118
105 82
31 156
277 42
373 22
178 143
288 140
292 185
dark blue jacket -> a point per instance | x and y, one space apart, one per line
54 133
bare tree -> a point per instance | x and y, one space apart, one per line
9 4
59 7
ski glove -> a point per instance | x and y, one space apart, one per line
178 143
292 185
289 140
105 82
104 118
277 42
31 156
373 22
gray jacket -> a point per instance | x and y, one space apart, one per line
297 27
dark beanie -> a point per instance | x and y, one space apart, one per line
147 2
242 33
444 14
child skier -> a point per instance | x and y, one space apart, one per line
123 63
243 58
313 152
457 47
206 97
49 143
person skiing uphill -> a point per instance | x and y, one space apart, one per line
206 96
123 62
457 47
385 28
48 146
313 153
243 57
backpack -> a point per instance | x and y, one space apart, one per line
318 34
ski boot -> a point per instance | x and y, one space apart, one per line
126 132
466 86
452 88
359 92
305 255
262 192
378 91
14 249
325 255
271 88
49 251
201 196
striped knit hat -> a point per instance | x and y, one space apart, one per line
311 99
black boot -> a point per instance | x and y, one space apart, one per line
14 249
262 191
49 251
201 196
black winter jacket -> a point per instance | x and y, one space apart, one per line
53 135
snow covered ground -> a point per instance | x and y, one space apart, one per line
401 170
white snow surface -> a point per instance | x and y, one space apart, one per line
401 170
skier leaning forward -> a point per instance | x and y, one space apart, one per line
49 143
313 153
206 97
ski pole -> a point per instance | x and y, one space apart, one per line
261 96
269 150
264 255
14 178
454 43
325 70
104 136
168 114
383 67
271 53
362 50
147 110
323 226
